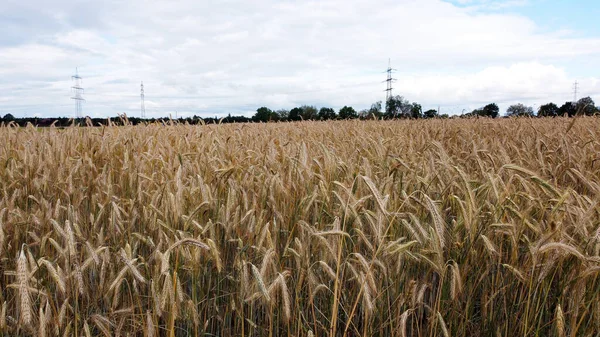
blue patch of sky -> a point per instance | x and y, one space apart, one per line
579 17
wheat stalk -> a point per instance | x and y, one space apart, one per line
260 282
23 284
560 322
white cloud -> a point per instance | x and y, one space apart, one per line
234 56
531 83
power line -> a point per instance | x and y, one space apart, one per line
575 87
78 92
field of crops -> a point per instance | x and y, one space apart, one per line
371 228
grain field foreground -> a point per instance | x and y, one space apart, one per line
395 228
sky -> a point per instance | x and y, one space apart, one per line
212 58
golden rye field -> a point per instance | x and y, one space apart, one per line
389 228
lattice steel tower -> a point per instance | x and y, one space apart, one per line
143 104
78 94
390 80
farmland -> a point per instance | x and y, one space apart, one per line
395 228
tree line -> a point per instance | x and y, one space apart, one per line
399 107
396 107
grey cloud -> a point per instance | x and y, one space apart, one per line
35 20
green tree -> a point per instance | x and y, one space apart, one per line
548 110
490 110
295 114
327 114
416 111
309 112
586 106
396 107
431 113
519 110
264 114
282 114
8 117
567 109
347 112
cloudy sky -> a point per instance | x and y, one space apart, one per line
210 58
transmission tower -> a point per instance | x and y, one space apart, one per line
389 81
78 92
143 106
575 88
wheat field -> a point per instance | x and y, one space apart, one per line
372 228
